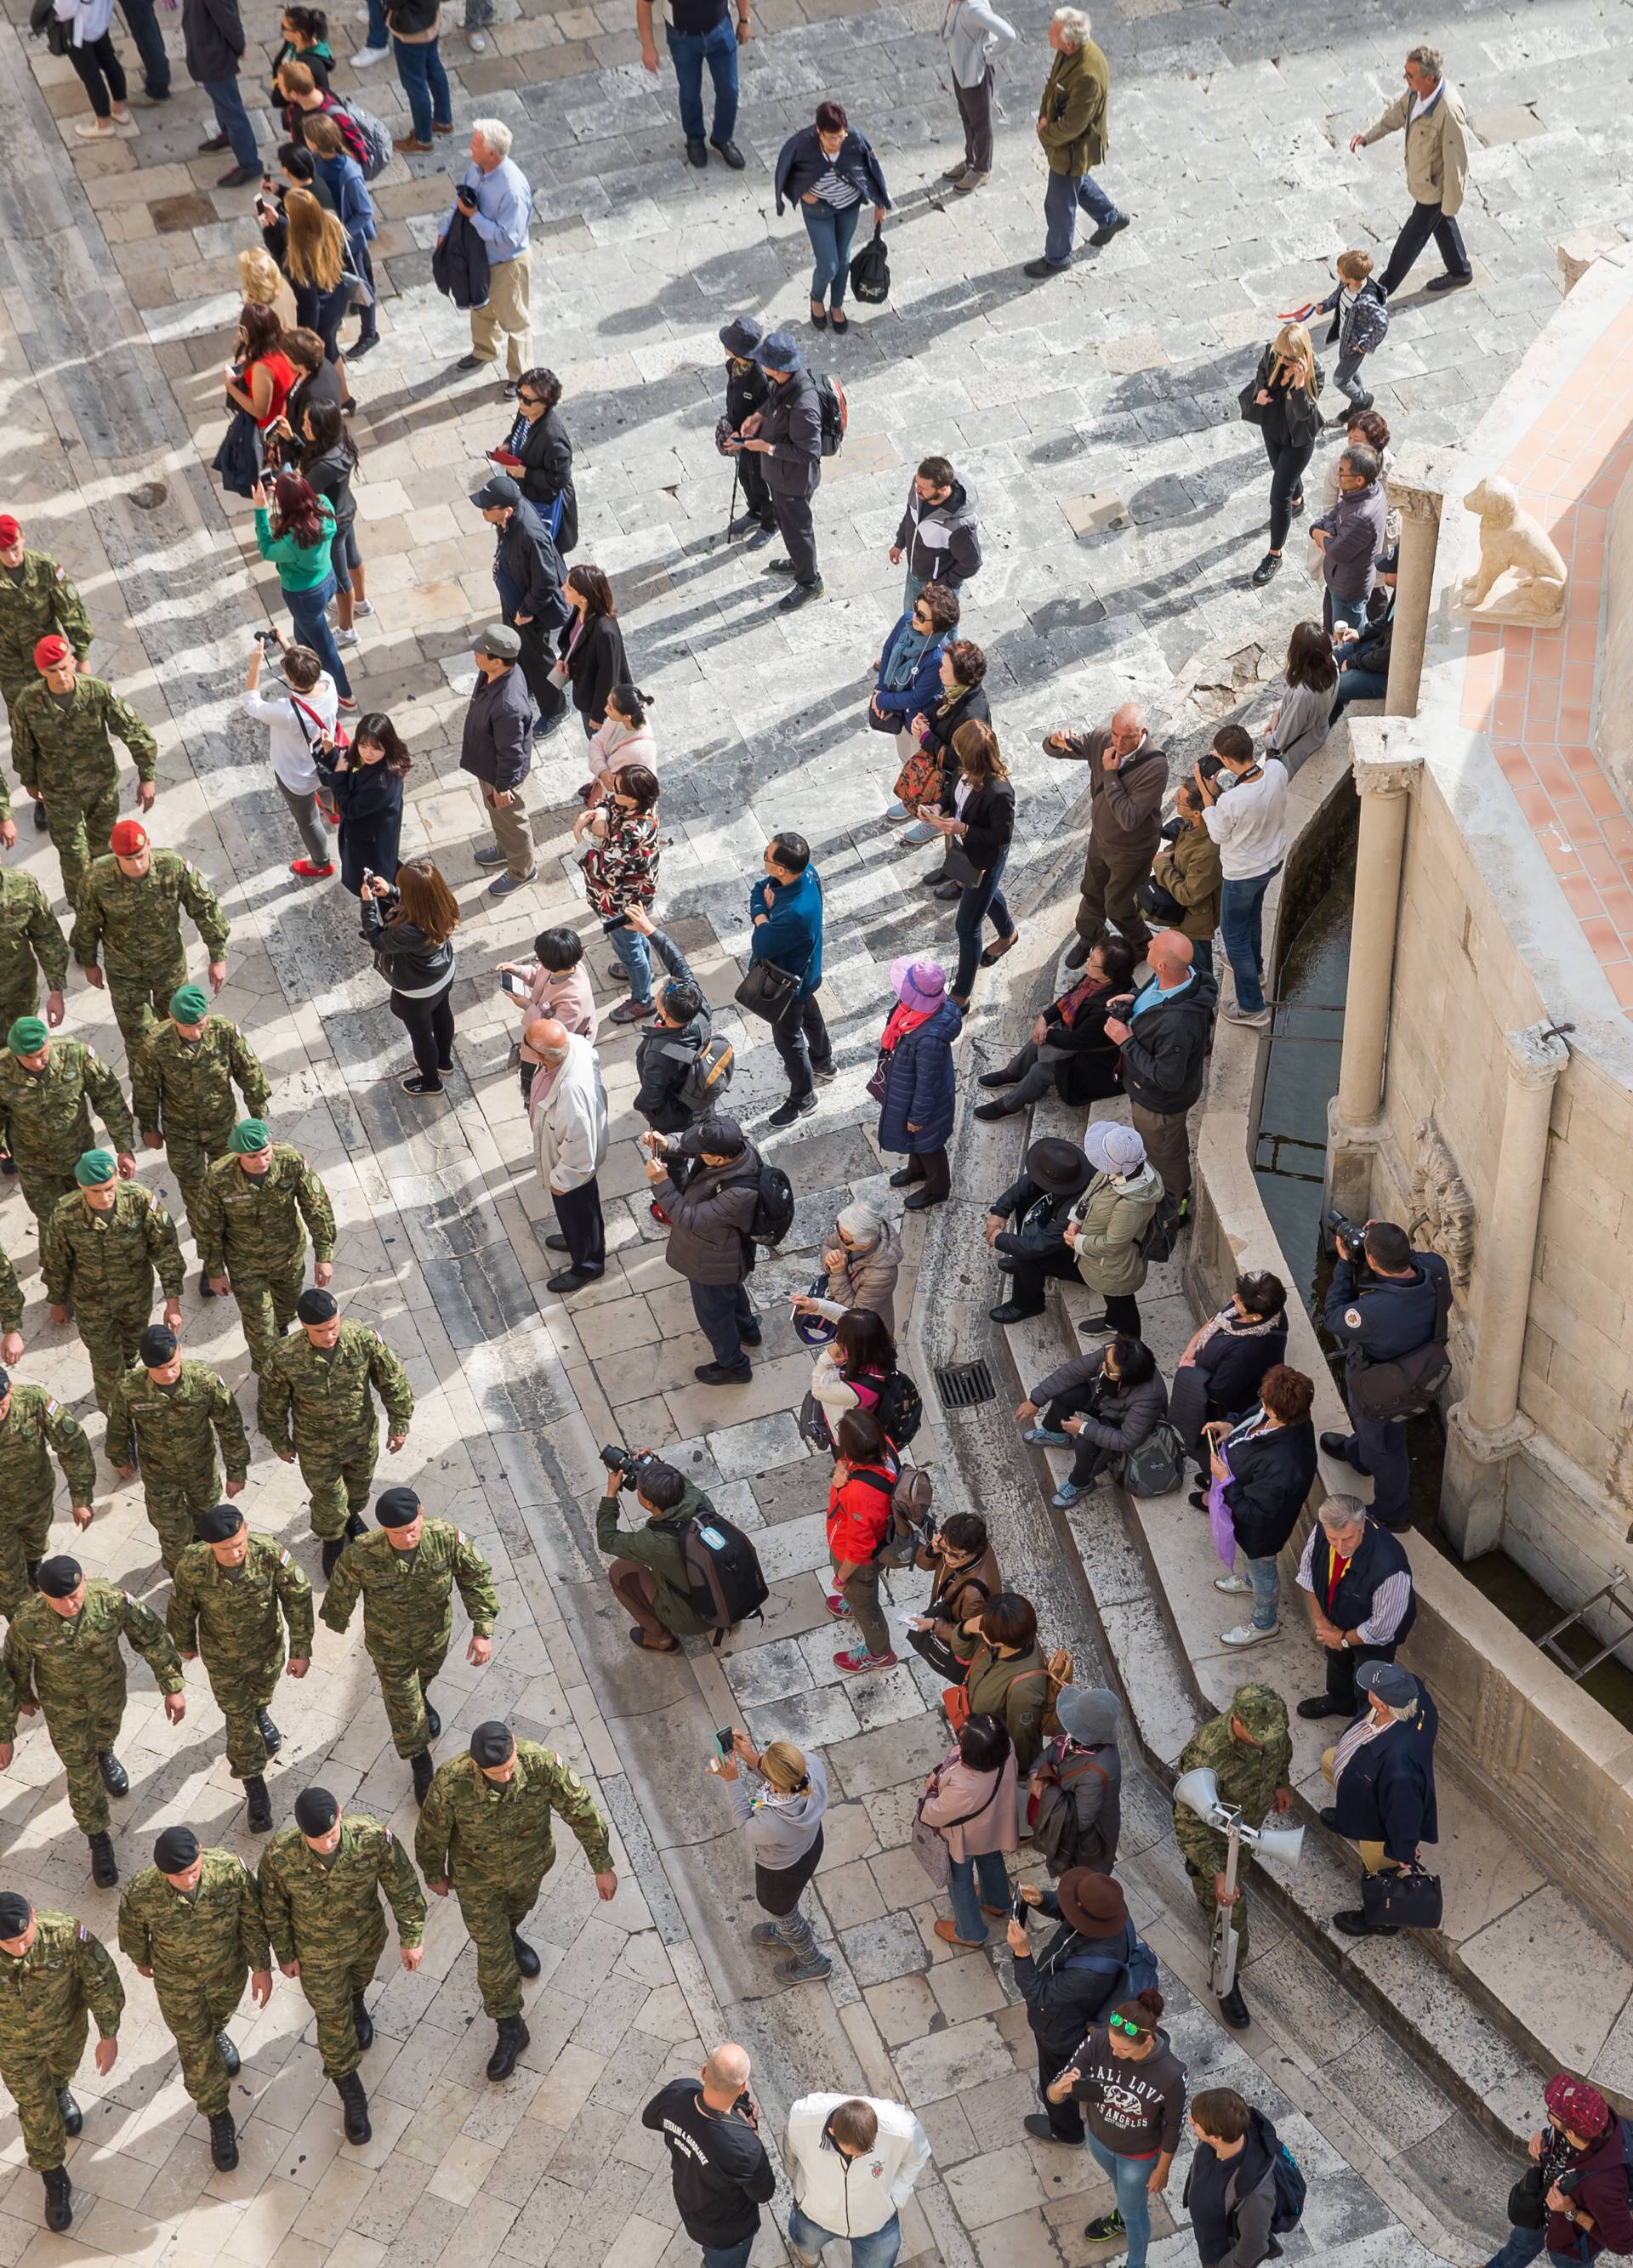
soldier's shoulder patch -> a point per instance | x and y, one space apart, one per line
1352 1316
459 1535
83 1932
52 1405
283 1558
129 1600
153 1203
61 574
376 1337
386 1831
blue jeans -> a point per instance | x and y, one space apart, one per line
1357 684
379 30
728 2255
1202 955
830 229
149 45
1239 910
425 84
1352 611
878 2251
1524 2245
232 119
989 1875
306 611
629 950
689 51
978 899
1065 196
1265 1577
1129 2176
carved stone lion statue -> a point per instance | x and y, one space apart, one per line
1516 553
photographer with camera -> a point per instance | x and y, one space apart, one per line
781 1816
717 2161
648 1573
1391 1321
299 716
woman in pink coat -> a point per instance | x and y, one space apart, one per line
970 1799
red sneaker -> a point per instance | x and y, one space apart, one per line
853 1664
308 872
837 1607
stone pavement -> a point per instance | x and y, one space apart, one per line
118 265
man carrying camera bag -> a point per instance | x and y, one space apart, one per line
648 1573
1393 1327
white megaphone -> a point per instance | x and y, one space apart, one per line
1198 1792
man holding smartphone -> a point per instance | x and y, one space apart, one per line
717 2161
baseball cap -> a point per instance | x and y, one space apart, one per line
499 488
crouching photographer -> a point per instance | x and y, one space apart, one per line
649 1575
1388 1308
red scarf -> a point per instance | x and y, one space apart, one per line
901 1020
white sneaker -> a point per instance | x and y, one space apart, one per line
1231 1583
1254 1023
1245 1634
361 607
366 56
345 637
477 42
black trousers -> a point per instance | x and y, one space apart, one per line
1342 1662
578 1214
801 1038
537 658
1422 223
1090 1457
1287 480
755 494
934 1169
1029 1278
1066 2119
101 74
793 515
430 1028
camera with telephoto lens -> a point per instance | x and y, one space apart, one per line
1347 1237
630 1465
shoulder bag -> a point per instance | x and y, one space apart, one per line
929 1844
766 990
1406 1899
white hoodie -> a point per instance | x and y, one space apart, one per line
853 2196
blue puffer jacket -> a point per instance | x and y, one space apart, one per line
919 696
920 1085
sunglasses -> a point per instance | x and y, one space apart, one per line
920 616
1126 2024
530 400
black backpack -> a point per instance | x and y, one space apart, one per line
1289 2188
1156 1240
836 414
722 1573
899 1409
773 1207
870 271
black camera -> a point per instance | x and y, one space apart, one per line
268 641
1210 766
630 1465
1345 1236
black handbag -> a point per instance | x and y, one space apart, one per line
1406 1899
1525 2205
958 866
767 990
870 271
1152 898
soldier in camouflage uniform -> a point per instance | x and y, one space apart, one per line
77 1677
406 1572
316 1403
170 1414
192 1922
36 598
53 1977
101 1251
31 1422
320 1883
130 910
182 1084
247 1221
1249 1749
233 1596
60 746
46 1088
10 1312
485 1832
32 946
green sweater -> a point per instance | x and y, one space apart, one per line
659 1545
300 566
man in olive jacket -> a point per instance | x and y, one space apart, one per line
1072 127
1430 115
710 1214
648 1576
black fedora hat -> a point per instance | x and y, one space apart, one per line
1062 1169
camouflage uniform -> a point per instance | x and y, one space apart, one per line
34 1420
31 940
201 1944
45 1119
135 921
172 1431
494 1842
102 1264
326 1914
183 1089
76 1671
60 745
407 1614
48 1997
1248 1777
36 599
235 1618
247 1226
319 1400
11 1296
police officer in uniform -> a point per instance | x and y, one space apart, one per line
1250 1750
1396 1310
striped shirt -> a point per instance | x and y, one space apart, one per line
833 191
1389 1601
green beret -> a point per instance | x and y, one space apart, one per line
249 1135
94 1168
28 1036
188 1004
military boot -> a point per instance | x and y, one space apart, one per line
223 2141
513 2037
269 1732
30 1569
331 1556
526 1960
432 1721
260 1806
423 1769
363 2023
104 1865
115 1779
356 1528
355 2104
228 2054
59 2203
72 2117
1233 2009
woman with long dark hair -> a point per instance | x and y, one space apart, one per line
409 926
850 1371
328 459
621 871
591 644
977 818
265 372
969 1799
365 783
1300 721
295 530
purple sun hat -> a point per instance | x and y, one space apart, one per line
918 984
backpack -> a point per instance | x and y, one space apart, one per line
773 1207
707 1078
1138 1971
909 1529
722 1573
1057 1675
368 141
1156 1240
899 1409
836 414
870 271
1157 1466
1289 2188
1053 1820
1407 1385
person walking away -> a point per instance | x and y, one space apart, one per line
556 986
1350 537
622 853
939 537
1577 2181
1106 1403
1076 1787
969 1800
297 721
977 832
87 25
1401 1306
1280 399
700 32
568 1108
496 750
973 32
415 26
1230 2190
295 531
649 1576
1133 2085
853 2162
1219 1372
709 1241
865 1467
1431 116
747 389
1081 1971
830 170
1264 1466
717 2164
1249 1750
1165 1041
1302 715
527 574
786 929
1072 122
781 1816
1128 778
1361 1603
408 926
364 786
1383 1776
787 433
917 1111
1249 824
1108 1222
497 200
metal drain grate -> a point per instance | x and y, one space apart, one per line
966 1386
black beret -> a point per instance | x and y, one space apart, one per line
492 1743
14 1912
215 1525
175 1850
397 1508
157 1345
317 1308
57 1577
315 1811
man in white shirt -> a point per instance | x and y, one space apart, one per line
297 713
1245 813
853 2162
568 1108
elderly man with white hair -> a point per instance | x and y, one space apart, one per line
1072 128
497 200
1382 1774
1128 780
568 1110
1359 1582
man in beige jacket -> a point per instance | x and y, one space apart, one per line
1431 115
